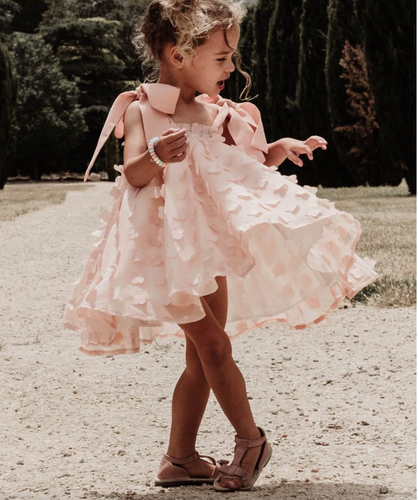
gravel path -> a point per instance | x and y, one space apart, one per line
337 400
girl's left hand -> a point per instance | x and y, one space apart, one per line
292 148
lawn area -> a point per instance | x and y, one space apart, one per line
387 216
388 219
20 198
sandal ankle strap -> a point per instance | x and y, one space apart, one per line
242 445
252 443
180 461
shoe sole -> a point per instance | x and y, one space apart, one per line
171 483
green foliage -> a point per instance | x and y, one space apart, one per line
312 99
8 10
388 39
282 67
7 114
342 27
87 50
362 158
370 163
282 76
292 51
56 10
50 121
29 15
253 49
112 157
236 83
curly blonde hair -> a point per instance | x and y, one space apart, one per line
187 24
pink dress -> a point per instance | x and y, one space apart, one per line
288 255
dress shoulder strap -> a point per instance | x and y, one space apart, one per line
244 125
156 101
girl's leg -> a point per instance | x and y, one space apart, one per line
215 353
192 392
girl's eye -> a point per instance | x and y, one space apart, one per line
221 60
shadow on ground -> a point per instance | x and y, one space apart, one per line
277 491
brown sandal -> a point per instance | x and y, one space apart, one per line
171 472
235 471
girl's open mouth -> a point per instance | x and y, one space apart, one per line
221 84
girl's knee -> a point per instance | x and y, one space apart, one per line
216 351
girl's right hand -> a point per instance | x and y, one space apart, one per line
171 145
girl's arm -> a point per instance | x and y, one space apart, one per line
138 165
292 148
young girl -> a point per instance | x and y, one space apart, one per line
203 239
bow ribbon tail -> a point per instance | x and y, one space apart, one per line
113 119
254 119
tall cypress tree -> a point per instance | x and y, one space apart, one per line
282 75
282 67
262 15
236 82
253 46
8 93
362 158
7 114
388 32
343 27
312 99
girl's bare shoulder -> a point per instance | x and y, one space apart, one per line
133 116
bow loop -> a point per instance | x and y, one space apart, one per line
244 125
161 97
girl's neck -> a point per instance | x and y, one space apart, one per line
187 94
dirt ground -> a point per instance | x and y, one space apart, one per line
337 400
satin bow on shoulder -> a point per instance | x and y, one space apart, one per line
158 100
244 125
162 98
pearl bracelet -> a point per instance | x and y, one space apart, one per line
154 157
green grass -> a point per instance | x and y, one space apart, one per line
387 216
388 219
21 198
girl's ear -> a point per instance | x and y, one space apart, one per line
175 57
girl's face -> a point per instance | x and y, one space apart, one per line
212 64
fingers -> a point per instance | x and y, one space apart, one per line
308 152
295 159
300 150
171 145
316 141
178 158
172 134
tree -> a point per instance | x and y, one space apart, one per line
282 67
87 50
282 76
8 124
261 17
8 9
388 36
56 10
7 114
112 157
29 15
344 32
312 99
236 82
362 158
50 122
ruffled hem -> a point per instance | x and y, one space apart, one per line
288 255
